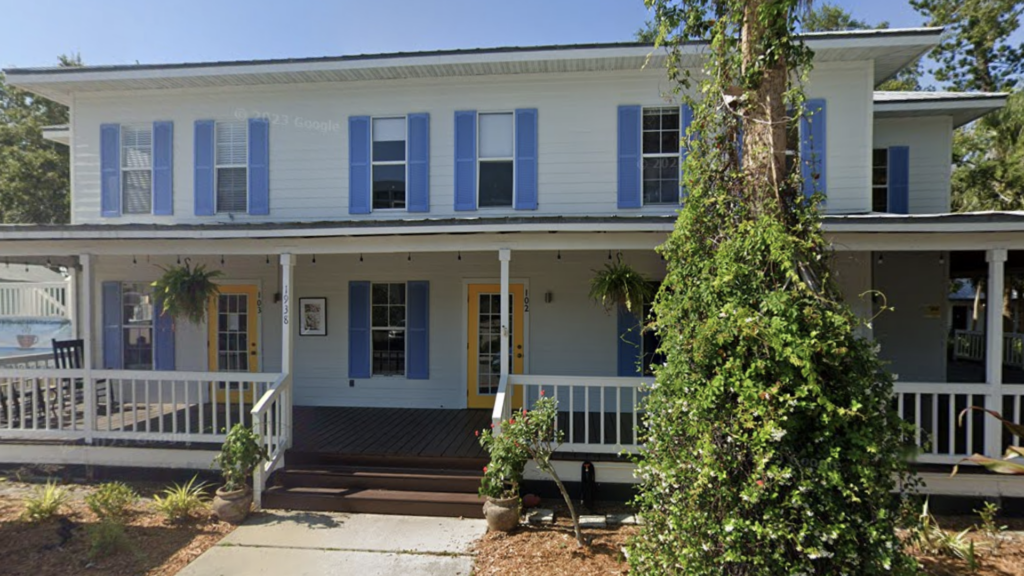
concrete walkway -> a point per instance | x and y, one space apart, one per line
328 544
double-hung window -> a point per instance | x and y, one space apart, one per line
389 163
137 169
387 329
661 141
232 166
496 159
137 325
880 180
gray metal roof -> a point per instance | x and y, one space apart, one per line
964 107
890 50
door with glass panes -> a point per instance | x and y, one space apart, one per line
485 341
233 343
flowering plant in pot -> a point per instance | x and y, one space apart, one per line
502 476
240 454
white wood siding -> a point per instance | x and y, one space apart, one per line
930 140
569 336
309 137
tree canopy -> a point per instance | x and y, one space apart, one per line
34 172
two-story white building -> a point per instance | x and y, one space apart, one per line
407 242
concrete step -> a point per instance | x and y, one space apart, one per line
372 501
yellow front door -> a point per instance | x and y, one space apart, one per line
485 341
233 346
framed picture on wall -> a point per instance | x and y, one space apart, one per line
313 316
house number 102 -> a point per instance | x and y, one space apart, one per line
526 303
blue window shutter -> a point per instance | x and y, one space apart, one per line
110 170
163 337
685 119
259 166
465 160
204 194
418 188
899 180
629 190
417 365
163 168
358 329
112 348
629 343
812 147
526 159
359 177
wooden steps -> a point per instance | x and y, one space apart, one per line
378 485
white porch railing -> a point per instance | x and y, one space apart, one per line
970 345
272 423
35 360
123 405
934 410
595 413
38 299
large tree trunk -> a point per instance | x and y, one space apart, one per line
764 119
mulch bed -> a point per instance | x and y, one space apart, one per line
155 548
552 550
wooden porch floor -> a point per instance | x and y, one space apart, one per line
408 432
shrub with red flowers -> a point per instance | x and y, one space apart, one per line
529 435
504 472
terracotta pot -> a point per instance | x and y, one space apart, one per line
502 514
232 506
27 340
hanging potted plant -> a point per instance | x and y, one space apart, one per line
185 291
240 454
620 284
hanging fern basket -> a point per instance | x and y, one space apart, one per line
185 291
620 284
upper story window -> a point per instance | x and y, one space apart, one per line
232 166
496 159
880 180
389 163
661 140
137 169
387 317
137 325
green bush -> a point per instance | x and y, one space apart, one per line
45 502
181 502
239 456
106 537
112 501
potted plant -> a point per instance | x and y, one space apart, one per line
502 476
26 339
239 456
185 291
620 284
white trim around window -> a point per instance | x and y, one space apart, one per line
495 155
136 168
389 125
231 155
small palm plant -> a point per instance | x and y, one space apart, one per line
998 465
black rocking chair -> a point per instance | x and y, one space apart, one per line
67 355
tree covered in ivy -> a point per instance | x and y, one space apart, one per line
772 446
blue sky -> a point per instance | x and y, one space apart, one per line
125 32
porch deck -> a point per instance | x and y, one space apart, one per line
400 432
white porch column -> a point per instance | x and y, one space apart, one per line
504 255
71 300
287 341
87 328
287 334
996 259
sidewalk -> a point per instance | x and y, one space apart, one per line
321 544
